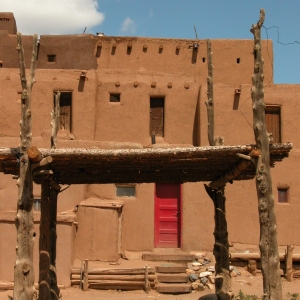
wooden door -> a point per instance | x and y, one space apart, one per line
167 216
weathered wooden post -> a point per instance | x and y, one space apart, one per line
44 245
289 263
268 228
24 273
216 191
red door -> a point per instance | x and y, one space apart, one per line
167 216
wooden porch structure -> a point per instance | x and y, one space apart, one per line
215 164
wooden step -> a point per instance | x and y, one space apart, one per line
171 269
168 257
173 278
173 288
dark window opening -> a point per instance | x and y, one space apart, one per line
65 103
157 116
51 58
1 64
203 59
283 195
238 60
273 122
115 98
125 190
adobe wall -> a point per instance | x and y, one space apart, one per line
113 54
9 53
8 22
65 246
71 52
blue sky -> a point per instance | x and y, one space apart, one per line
213 19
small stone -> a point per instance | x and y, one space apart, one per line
204 274
233 274
189 271
196 268
203 280
201 287
195 285
193 277
211 279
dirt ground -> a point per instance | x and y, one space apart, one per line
249 285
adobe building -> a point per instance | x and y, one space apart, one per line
137 93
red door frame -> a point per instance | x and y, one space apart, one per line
179 217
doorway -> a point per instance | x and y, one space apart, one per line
167 215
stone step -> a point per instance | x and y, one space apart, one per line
182 257
173 288
171 268
172 278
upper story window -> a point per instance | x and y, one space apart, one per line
51 58
283 194
273 122
114 97
157 116
65 111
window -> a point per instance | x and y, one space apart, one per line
157 116
65 111
114 97
37 204
125 190
51 58
1 64
273 122
283 195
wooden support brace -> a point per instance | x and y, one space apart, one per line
86 275
289 263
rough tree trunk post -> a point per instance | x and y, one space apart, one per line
210 101
268 232
216 193
24 273
44 245
54 190
221 246
289 263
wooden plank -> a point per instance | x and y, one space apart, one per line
183 278
168 257
101 271
173 288
256 256
171 269
115 277
117 286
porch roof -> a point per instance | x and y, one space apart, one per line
161 165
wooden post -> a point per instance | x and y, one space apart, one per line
54 190
23 272
289 263
210 101
147 286
221 247
86 275
44 266
268 229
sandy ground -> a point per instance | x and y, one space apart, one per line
250 285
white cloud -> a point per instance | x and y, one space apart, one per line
54 16
128 26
